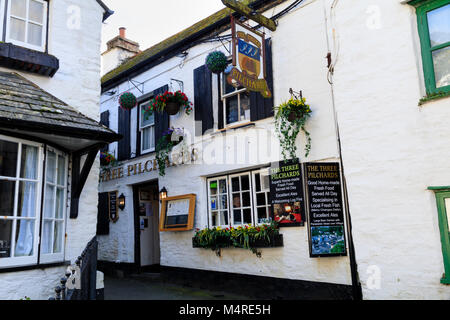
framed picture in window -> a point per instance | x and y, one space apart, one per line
177 213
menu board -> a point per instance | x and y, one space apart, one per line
113 206
326 218
286 193
177 213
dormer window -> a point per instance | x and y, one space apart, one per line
26 23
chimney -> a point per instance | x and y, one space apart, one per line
122 32
119 49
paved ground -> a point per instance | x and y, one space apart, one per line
152 288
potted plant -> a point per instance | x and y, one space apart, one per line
127 101
171 102
107 159
216 62
290 118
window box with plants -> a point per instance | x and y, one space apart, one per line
245 237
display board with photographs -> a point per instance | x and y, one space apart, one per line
286 193
326 217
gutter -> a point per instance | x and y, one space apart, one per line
108 12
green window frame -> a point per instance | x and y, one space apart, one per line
443 193
423 7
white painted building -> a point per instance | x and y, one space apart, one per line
49 116
365 117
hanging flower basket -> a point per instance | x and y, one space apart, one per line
290 118
172 108
216 61
107 159
170 102
127 101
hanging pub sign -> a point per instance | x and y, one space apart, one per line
249 59
326 218
286 193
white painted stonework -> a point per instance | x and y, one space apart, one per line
76 43
392 150
245 148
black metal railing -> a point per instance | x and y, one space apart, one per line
80 280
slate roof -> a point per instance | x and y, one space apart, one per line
162 50
24 105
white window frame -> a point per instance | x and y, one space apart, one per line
30 260
59 256
240 192
27 20
224 96
3 16
219 208
265 191
141 130
229 211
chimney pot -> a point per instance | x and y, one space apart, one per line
122 32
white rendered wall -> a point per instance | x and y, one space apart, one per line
300 65
77 46
392 150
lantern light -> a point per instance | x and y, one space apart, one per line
163 194
121 202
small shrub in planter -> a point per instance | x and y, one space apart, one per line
216 61
127 101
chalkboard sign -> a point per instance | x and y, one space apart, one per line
326 218
113 206
286 193
177 213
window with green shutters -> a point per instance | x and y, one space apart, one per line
434 30
443 206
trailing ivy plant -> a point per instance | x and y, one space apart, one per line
164 147
290 118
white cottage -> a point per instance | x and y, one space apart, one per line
364 69
49 139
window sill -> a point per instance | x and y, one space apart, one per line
237 126
23 59
35 267
433 97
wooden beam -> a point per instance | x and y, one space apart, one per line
243 9
79 178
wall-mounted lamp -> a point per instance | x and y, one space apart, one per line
121 202
163 194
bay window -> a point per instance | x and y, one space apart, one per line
239 199
21 185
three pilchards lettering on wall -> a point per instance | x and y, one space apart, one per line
249 59
326 218
286 193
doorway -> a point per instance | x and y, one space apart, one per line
146 212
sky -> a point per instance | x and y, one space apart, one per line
149 21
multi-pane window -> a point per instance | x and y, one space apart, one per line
20 189
434 30
236 101
23 209
147 130
239 199
53 225
443 206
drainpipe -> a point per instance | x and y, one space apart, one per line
356 285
